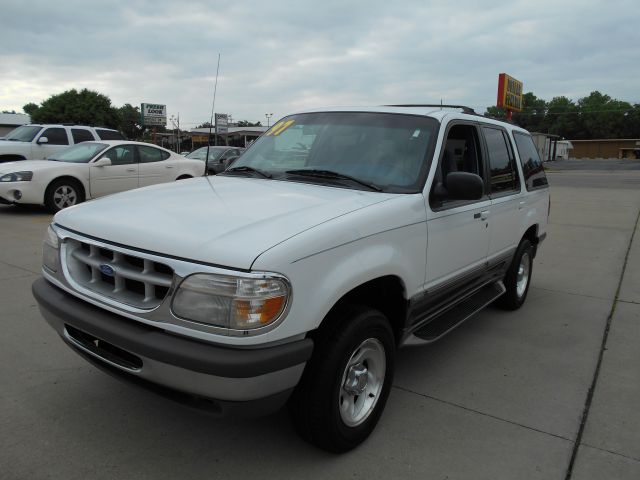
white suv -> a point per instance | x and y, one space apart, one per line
37 142
295 275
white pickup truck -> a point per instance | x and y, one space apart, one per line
37 142
294 276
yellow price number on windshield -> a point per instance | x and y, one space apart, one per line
279 127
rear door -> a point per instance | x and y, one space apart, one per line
156 166
121 175
506 198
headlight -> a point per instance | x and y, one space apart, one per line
237 303
50 249
17 177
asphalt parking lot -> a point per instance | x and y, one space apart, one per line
508 395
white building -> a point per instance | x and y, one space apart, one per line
10 121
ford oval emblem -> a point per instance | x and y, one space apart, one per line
107 270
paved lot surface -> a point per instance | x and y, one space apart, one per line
506 396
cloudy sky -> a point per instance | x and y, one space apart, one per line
282 56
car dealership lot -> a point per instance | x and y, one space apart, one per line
501 397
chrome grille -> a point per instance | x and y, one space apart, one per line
126 278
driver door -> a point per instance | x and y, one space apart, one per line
121 175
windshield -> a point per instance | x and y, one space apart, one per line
380 150
25 133
201 153
80 153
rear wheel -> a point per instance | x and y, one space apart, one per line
347 381
518 277
63 193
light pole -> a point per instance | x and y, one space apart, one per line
268 115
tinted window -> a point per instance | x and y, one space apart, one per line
81 135
150 154
534 176
461 152
109 134
56 136
121 155
504 176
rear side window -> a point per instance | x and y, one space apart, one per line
504 176
109 134
532 169
81 135
56 136
150 154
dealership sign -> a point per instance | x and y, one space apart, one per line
509 93
153 115
222 123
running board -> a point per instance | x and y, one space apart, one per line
447 321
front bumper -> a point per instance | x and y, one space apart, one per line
250 381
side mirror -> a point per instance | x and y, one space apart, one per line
102 162
43 140
464 186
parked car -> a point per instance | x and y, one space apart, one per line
89 170
35 142
295 275
219 157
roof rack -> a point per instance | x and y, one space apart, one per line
465 109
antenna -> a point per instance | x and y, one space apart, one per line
213 104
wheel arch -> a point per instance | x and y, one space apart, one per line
11 158
386 294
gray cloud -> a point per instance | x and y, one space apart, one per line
282 56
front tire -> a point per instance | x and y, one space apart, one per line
63 193
346 383
518 277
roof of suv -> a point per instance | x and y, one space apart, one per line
436 112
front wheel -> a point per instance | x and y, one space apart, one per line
347 381
518 277
62 194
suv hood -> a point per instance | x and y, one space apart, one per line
226 221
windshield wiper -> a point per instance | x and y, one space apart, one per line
318 173
247 169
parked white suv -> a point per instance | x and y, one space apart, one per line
37 142
338 237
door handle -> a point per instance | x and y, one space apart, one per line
131 169
521 205
168 166
484 214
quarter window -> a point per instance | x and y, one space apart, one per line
105 134
532 169
56 136
81 135
504 176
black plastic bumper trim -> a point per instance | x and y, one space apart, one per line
159 345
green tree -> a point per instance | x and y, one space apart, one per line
30 108
562 118
246 123
603 116
129 122
84 107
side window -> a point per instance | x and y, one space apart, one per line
165 155
105 134
503 174
121 155
81 135
150 154
56 136
532 169
461 152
